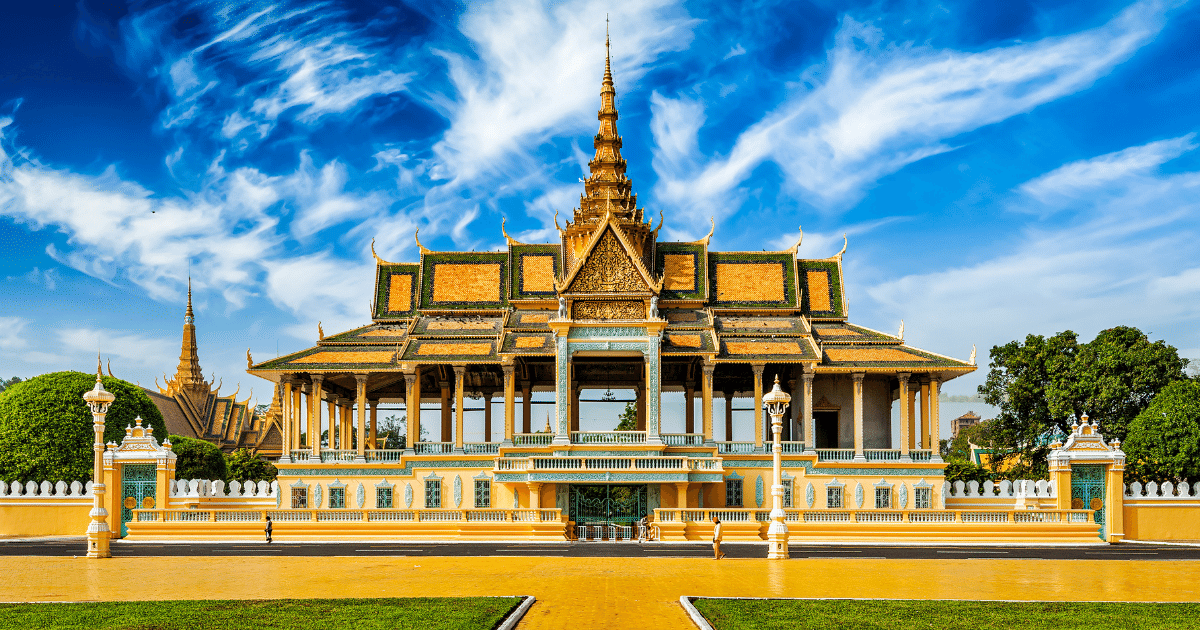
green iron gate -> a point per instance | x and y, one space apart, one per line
607 504
1087 491
138 483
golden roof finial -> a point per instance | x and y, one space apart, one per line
511 240
378 260
417 238
188 317
607 53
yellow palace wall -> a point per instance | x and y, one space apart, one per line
44 517
1155 521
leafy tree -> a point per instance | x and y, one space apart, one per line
243 465
1043 384
197 459
1164 440
627 421
392 432
9 383
46 428
978 434
965 471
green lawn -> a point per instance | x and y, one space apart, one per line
743 614
445 613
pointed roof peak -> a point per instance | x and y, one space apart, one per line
188 316
607 54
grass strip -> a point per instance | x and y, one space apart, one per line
437 613
772 614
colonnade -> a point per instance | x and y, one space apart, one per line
354 421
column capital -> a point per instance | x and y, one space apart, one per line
904 376
808 376
758 368
410 379
509 370
287 379
316 378
459 370
858 376
361 378
708 368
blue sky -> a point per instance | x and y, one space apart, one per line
1001 168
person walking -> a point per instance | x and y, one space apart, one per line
717 554
268 530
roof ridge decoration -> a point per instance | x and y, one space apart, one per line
510 240
704 241
597 236
378 260
796 248
417 238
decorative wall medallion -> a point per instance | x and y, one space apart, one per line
903 496
758 491
278 497
361 495
858 496
408 495
516 499
317 496
457 491
810 495
608 309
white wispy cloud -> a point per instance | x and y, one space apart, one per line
12 333
872 107
1126 257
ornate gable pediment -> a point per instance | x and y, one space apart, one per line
609 268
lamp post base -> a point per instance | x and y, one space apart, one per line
777 541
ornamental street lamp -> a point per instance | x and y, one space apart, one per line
98 401
776 401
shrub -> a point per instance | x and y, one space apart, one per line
1163 442
964 471
198 459
46 428
243 465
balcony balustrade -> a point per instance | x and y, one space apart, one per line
608 437
481 448
724 448
338 455
835 454
596 464
683 439
532 439
433 448
384 455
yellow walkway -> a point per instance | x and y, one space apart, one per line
593 592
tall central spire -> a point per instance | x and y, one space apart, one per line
607 188
188 374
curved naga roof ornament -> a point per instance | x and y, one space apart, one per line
795 248
660 224
378 260
704 241
560 230
417 237
845 244
511 240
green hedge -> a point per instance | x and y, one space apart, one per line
46 428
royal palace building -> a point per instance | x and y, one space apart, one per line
609 306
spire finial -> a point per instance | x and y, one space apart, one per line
188 316
99 368
607 53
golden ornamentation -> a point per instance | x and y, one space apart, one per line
376 356
530 342
750 282
537 273
682 316
763 347
1076 503
130 503
383 332
609 310
535 318
427 349
453 325
818 291
1097 503
148 503
679 272
738 322
685 341
871 354
400 292
838 332
608 270
475 282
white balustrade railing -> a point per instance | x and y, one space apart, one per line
683 439
920 454
1164 490
724 448
301 455
792 447
384 454
649 463
433 448
1000 489
608 437
338 455
481 448
835 454
45 489
196 488
532 439
333 515
743 515
881 454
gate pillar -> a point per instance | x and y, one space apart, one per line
1089 473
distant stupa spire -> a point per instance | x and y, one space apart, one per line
189 375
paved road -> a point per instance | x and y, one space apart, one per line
596 550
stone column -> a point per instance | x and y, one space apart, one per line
487 416
681 489
510 403
447 418
526 407
285 398
758 403
925 412
810 430
374 439
412 410
562 404
298 413
706 393
689 409
575 405
912 415
640 395
791 426
535 494
858 417
653 390
361 454
935 422
314 418
904 437
729 416
460 372
334 423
